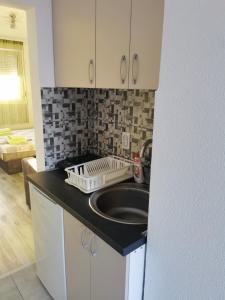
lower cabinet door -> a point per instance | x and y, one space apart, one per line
47 219
108 272
95 271
77 240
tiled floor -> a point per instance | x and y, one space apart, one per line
23 285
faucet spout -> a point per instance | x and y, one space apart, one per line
145 173
144 147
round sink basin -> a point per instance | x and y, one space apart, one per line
124 203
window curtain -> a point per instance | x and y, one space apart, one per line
13 98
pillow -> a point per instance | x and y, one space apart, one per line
16 140
5 131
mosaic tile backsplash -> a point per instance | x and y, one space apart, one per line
78 121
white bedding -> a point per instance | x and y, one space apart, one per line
7 148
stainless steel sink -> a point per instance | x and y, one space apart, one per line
123 203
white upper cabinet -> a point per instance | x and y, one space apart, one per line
112 43
107 43
74 43
145 43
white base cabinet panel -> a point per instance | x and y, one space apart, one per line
47 219
95 271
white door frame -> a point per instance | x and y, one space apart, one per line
41 61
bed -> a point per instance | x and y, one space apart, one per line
11 155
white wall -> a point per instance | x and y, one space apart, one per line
40 48
186 243
20 30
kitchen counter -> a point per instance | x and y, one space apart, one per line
123 238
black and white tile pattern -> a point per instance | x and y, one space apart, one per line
76 121
118 111
65 114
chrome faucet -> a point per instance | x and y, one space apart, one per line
144 147
142 153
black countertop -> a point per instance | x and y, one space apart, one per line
123 238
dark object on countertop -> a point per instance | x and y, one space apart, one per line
146 172
146 164
70 161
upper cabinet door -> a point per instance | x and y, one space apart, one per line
74 43
146 39
112 43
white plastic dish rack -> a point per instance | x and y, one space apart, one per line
99 173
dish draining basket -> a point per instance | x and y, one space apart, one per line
99 173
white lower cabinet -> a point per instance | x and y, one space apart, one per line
95 271
77 259
47 219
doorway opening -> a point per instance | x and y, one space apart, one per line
17 142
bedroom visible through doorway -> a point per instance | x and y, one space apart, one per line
17 143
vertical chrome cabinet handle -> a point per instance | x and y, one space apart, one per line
85 238
135 68
93 246
82 238
123 69
91 71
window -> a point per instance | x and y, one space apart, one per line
13 100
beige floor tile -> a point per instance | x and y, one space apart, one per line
8 290
29 285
